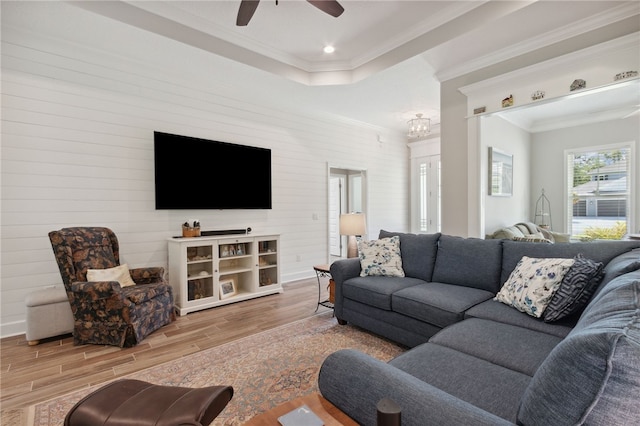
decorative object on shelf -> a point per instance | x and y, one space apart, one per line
537 95
626 74
578 84
507 102
543 212
352 225
264 279
419 127
199 291
500 173
191 228
227 288
480 110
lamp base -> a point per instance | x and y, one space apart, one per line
352 246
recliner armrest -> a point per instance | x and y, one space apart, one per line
149 275
97 289
355 382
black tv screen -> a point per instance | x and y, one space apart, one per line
193 173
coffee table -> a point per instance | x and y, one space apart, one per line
329 413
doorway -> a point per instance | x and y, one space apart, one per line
347 194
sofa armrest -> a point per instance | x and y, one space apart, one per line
355 382
342 270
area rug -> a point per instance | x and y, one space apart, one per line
265 369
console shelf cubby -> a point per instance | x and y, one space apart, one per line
211 271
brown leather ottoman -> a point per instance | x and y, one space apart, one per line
134 402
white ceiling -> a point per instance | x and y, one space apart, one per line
390 55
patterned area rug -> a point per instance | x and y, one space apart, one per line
265 369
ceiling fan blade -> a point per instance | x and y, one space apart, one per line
246 11
332 7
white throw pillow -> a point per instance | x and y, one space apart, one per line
381 257
532 284
119 273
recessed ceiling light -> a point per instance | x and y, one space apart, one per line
329 49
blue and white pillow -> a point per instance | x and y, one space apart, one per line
533 283
381 257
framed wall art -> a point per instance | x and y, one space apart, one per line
500 173
227 288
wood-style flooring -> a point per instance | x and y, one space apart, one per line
31 374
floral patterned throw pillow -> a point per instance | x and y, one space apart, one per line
381 257
533 283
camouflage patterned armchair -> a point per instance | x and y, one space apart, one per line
105 312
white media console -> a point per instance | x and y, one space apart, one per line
216 270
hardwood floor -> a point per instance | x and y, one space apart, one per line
30 374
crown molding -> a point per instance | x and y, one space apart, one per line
613 15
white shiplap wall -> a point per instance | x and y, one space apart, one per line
81 97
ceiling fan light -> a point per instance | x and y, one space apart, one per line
329 49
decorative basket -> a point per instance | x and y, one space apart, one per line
190 231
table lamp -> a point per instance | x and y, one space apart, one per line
352 225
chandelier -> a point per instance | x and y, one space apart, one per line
419 127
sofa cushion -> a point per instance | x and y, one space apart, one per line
576 288
437 303
486 385
470 262
498 311
596 364
381 257
533 283
376 291
418 253
392 325
601 251
507 345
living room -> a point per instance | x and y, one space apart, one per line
77 146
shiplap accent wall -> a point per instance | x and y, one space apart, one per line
77 148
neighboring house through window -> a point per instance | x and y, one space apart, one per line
599 192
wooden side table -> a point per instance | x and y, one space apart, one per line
323 271
329 413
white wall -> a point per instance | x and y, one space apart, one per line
548 149
81 97
461 157
506 211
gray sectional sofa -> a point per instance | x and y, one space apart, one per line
472 360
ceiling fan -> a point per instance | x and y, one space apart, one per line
248 8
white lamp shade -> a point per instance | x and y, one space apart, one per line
353 224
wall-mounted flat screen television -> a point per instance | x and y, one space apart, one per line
193 173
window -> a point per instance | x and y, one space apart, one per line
426 196
598 188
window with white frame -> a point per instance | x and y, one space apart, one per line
599 188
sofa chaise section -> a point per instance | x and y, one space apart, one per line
475 360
